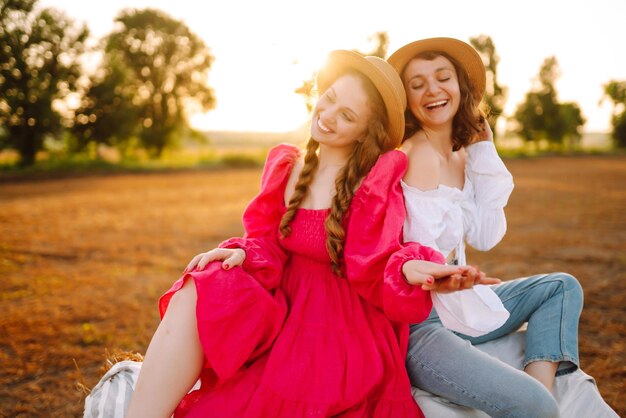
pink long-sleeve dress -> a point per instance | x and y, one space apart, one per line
285 337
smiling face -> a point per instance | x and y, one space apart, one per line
341 115
433 92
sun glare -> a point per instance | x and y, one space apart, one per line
257 92
261 57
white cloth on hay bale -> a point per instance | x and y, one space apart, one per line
110 397
576 393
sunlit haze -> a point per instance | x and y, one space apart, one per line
264 49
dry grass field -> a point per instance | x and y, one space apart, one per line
83 261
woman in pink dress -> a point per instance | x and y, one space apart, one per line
308 314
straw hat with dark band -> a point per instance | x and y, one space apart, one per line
384 78
459 50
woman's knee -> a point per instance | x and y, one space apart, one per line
570 285
540 404
529 400
185 297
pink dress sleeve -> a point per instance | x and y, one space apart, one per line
253 308
374 252
264 256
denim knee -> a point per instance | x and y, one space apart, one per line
570 284
539 404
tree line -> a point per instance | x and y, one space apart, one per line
152 75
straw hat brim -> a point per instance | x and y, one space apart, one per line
464 53
382 75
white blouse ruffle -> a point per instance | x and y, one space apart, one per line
446 217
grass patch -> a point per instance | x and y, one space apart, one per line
527 152
76 165
86 261
235 151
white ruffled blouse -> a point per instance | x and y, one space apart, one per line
446 217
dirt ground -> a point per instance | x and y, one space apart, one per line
84 260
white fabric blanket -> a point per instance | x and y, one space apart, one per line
576 393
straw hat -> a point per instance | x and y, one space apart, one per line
467 56
384 78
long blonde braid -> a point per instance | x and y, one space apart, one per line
363 158
302 186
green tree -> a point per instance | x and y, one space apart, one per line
572 120
155 74
379 49
495 94
39 53
106 114
528 117
542 116
616 92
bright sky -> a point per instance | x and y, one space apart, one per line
264 49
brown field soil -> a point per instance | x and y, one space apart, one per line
84 260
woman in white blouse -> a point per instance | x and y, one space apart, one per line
456 188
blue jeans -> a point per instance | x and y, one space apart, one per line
446 364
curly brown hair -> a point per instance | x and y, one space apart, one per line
363 157
468 119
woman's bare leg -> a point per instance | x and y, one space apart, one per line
543 371
173 360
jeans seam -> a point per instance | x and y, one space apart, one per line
563 320
521 291
562 357
453 384
564 349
